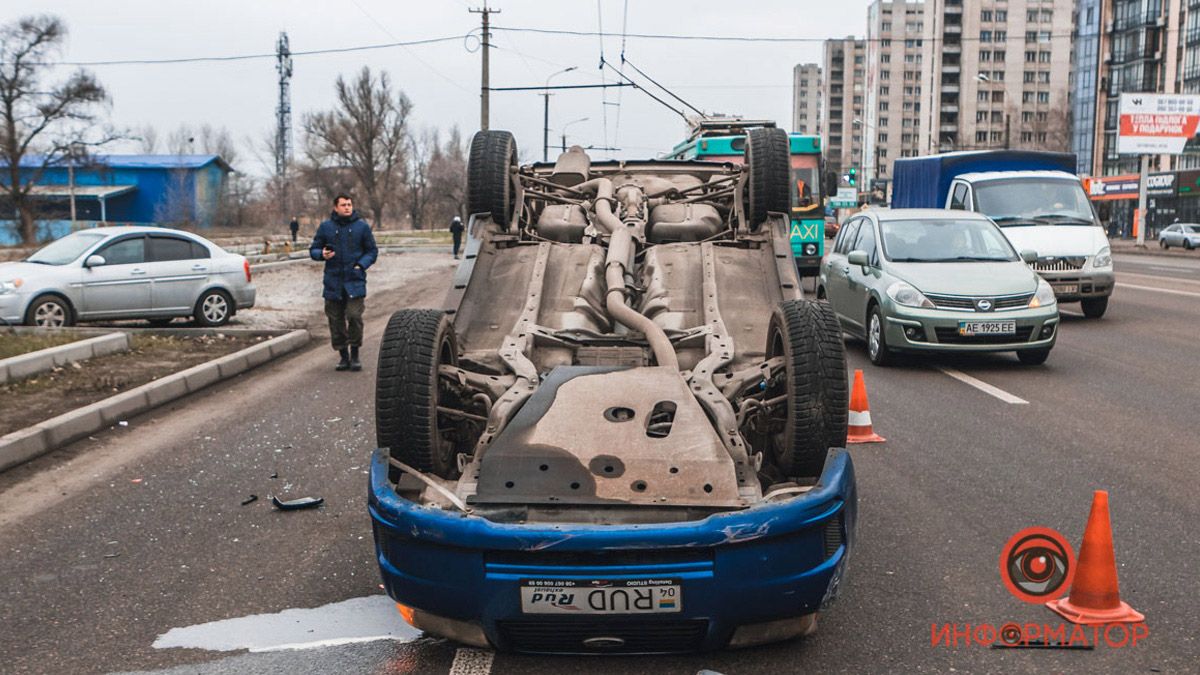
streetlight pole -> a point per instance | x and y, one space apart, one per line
546 114
564 131
868 129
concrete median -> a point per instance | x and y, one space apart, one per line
26 365
25 444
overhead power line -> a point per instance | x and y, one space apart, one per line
265 55
746 38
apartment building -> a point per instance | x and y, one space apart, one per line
895 59
806 99
996 74
843 98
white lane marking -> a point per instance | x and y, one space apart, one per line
1171 268
984 386
469 661
1159 277
1170 291
366 619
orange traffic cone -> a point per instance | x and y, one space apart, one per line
859 429
1095 597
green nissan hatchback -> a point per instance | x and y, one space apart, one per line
908 280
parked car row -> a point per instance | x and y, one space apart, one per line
112 273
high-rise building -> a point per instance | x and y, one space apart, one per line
996 74
1085 78
842 102
895 56
806 99
1139 49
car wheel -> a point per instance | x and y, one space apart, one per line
877 348
807 335
1187 244
1094 308
213 309
414 404
50 311
1162 243
489 179
1033 357
769 181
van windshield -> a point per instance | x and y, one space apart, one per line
1034 201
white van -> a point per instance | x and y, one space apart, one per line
1047 212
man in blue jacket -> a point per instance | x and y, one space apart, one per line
347 246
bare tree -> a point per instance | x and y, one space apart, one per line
417 195
205 140
366 133
147 138
448 179
41 122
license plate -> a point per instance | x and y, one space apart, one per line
1063 289
968 328
601 596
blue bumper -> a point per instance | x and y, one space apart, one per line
764 564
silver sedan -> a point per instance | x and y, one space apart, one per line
1186 235
108 273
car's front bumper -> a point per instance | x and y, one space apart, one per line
1087 282
12 308
743 574
938 329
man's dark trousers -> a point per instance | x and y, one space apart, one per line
345 322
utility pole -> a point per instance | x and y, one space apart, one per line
546 113
283 119
484 87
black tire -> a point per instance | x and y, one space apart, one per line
489 178
1033 357
50 311
877 346
214 308
415 343
807 335
767 187
1162 243
1187 245
1094 308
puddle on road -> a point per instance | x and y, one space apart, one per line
356 620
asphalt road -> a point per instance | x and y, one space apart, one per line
140 536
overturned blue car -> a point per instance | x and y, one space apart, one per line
624 432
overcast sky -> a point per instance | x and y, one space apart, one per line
443 79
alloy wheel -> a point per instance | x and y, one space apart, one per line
50 315
215 308
873 338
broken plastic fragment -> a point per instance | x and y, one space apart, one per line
297 504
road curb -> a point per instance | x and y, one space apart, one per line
1153 252
24 365
25 444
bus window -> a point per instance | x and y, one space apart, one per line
804 179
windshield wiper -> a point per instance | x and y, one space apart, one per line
971 258
1015 221
1063 219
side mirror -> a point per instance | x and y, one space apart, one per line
95 261
858 258
1029 256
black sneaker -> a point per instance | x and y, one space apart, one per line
355 364
344 364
